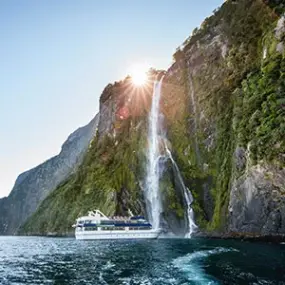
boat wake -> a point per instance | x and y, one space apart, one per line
38 260
192 269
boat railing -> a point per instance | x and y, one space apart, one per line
119 218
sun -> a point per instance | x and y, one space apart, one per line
139 77
138 73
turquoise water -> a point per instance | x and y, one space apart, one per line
32 260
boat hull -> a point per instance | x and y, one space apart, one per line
104 235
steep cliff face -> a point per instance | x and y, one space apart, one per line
34 185
223 108
257 203
111 173
229 139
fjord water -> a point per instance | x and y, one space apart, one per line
35 260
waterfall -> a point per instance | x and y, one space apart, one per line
152 192
188 198
152 180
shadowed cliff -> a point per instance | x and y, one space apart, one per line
32 186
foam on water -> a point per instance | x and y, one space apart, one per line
190 266
108 265
156 262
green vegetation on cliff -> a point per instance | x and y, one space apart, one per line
236 98
224 91
108 179
260 111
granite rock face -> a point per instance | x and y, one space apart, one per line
257 201
107 111
216 100
32 186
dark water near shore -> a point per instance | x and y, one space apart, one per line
26 260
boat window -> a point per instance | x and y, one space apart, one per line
119 228
91 229
107 223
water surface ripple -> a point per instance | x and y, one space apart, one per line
34 260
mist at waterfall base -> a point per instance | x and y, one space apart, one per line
66 261
156 135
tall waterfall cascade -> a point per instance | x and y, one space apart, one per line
192 227
156 136
152 180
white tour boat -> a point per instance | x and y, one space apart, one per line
97 226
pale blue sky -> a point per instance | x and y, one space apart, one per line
56 56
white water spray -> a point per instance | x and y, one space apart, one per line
155 137
152 179
192 227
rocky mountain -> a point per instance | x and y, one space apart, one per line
232 70
223 108
34 185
